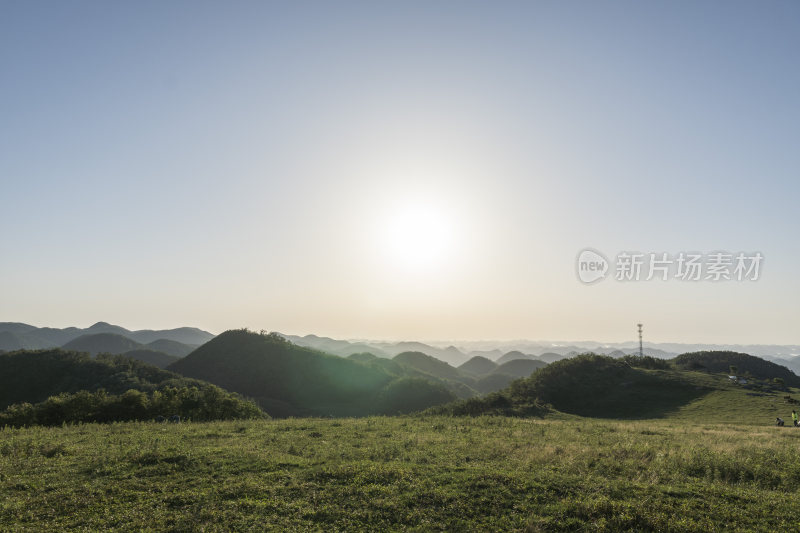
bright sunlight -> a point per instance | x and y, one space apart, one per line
418 237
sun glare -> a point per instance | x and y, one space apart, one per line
418 237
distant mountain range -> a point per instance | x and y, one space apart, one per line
457 353
18 336
161 347
321 376
449 354
119 344
157 347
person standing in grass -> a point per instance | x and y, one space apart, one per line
794 417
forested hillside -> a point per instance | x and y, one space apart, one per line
290 380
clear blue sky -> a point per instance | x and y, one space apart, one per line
249 164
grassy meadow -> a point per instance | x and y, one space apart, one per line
417 473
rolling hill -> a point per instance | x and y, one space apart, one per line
115 343
429 365
362 357
151 357
16 335
10 340
102 343
183 335
33 376
491 355
170 347
550 357
586 385
450 355
290 380
694 385
492 383
54 387
462 387
514 355
721 361
334 346
519 368
478 365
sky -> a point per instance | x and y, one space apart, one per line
399 170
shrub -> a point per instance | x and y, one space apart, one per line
209 403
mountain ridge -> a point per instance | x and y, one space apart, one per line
286 379
18 335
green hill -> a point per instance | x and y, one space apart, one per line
16 336
362 357
184 335
170 347
603 387
16 327
393 368
551 357
397 369
424 365
52 387
721 361
643 388
334 346
590 385
519 368
152 357
513 356
102 343
20 339
116 343
290 380
406 395
428 364
478 365
10 340
493 382
33 376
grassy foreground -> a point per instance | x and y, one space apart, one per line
403 473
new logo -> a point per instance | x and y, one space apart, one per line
592 266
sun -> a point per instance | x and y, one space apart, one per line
418 236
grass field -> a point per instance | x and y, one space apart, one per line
402 473
712 398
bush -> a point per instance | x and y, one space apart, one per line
646 361
209 403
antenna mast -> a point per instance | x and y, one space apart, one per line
641 353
